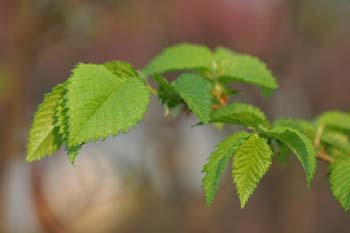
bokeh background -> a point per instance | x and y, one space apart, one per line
149 180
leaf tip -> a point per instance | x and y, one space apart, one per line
208 202
29 159
243 202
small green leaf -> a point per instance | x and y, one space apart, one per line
300 145
336 140
103 101
44 138
241 114
180 57
339 179
336 120
195 91
166 92
250 164
216 164
247 69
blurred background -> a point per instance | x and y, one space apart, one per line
149 180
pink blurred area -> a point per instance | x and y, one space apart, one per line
149 180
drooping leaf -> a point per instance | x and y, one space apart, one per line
251 162
180 57
195 91
214 168
44 138
103 101
339 179
241 114
336 120
247 69
301 146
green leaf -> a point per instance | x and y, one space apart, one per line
195 91
222 53
250 164
336 120
214 168
103 101
336 140
61 124
241 114
44 138
166 92
339 179
301 146
303 126
335 153
72 152
283 154
247 69
180 57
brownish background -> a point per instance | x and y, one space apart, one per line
149 180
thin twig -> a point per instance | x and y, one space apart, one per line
317 140
324 157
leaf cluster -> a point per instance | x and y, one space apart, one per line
102 100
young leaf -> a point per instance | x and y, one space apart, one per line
103 101
44 138
216 164
340 181
300 145
241 114
336 120
166 92
336 140
195 91
180 57
247 69
250 164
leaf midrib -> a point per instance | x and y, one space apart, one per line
72 141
